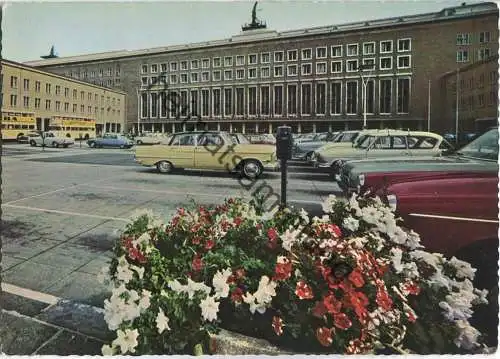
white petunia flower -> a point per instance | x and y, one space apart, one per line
138 270
162 322
124 274
289 238
145 300
351 224
219 283
304 215
481 296
107 350
468 335
328 204
193 287
176 286
464 269
358 242
209 308
144 238
396 259
127 340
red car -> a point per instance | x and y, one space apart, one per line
451 201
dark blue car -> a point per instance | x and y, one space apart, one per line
110 140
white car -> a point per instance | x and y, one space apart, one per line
148 139
50 139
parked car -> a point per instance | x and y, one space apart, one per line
239 138
382 143
208 150
452 202
50 139
262 139
27 137
147 139
110 140
304 150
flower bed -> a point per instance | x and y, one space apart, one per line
353 281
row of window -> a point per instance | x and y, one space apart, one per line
464 55
367 48
385 63
472 102
467 38
336 98
93 73
48 90
470 83
48 106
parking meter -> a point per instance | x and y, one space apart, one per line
284 143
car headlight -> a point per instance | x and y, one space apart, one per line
361 179
392 200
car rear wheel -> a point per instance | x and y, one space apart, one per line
251 169
164 167
32 143
139 142
55 144
92 144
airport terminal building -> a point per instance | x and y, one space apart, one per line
312 79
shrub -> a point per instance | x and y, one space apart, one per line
353 281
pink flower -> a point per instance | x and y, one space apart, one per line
303 291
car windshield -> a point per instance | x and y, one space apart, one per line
366 142
346 137
484 147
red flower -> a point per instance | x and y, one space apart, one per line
303 291
319 310
272 234
411 316
331 304
355 347
283 270
197 263
324 336
411 288
237 295
277 325
196 240
342 321
237 221
209 244
231 279
359 301
335 230
356 278
136 255
383 299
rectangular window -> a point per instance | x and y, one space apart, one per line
386 63
228 102
385 46
173 66
265 58
82 108
321 99
205 76
265 72
278 100
306 69
194 77
26 102
13 81
154 69
240 60
352 97
292 99
292 55
37 86
144 69
240 74
205 63
352 50
47 104
336 66
369 48
336 98
337 51
404 45
240 101
292 70
217 102
370 97
216 76
321 68
228 61
306 54
321 53
66 107
66 92
184 78
47 88
278 56
252 101
38 101
404 62
352 65
194 103
163 67
278 71
385 96
194 65
216 61
163 104
252 73
306 99
463 56
464 39
264 100
403 95
252 59
483 54
154 105
369 64
26 84
144 105
484 37
228 75
205 103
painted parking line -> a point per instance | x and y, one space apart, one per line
30 294
198 194
36 209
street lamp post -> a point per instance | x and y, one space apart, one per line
139 109
365 79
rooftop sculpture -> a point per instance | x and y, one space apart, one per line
256 23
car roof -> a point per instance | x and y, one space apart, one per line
382 132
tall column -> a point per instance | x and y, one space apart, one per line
256 127
173 127
330 127
218 126
184 127
346 126
314 127
299 128
243 128
270 128
163 128
230 127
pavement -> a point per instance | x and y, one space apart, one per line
61 210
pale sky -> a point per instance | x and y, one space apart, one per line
75 28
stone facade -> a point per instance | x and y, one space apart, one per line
258 90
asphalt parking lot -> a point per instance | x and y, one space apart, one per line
62 208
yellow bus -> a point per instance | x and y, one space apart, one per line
17 124
73 127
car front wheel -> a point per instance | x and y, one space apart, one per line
251 169
164 167
92 144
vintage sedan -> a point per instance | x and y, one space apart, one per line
303 150
374 144
110 140
50 139
452 202
211 150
